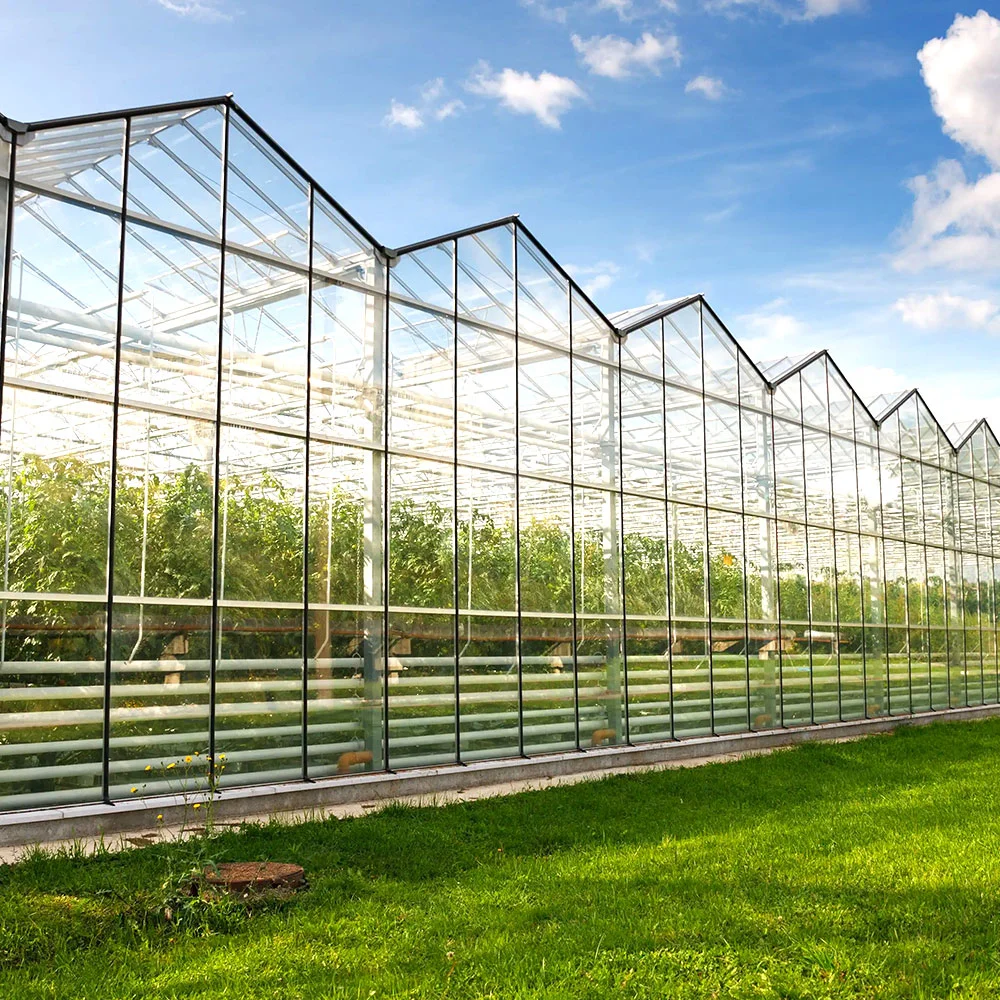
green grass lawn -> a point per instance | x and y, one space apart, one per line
865 869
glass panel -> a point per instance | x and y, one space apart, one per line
592 337
426 276
487 397
62 313
727 592
690 644
796 674
487 577
421 382
542 297
642 349
548 683
685 433
261 548
159 697
264 343
347 377
642 435
344 637
340 251
721 359
543 414
647 645
849 634
79 159
345 691
267 204
423 704
170 321
723 455
596 424
682 347
175 169
789 472
486 276
52 698
488 685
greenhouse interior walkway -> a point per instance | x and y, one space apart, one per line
281 503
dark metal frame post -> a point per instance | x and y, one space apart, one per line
113 486
667 508
517 498
456 634
214 637
305 497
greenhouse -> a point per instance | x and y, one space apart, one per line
274 491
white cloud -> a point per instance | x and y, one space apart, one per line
800 10
710 87
962 72
432 90
547 11
813 9
956 221
655 295
771 332
623 8
404 115
942 310
610 55
449 109
546 96
596 277
198 10
433 104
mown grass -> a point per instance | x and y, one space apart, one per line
866 869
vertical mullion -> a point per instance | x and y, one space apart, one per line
835 604
926 627
743 529
454 484
517 501
214 626
305 502
386 514
621 530
805 514
861 559
666 525
572 529
906 562
777 567
993 554
946 590
113 486
885 579
707 558
8 258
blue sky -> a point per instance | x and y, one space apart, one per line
827 172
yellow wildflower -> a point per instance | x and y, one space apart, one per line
173 763
149 767
134 790
197 805
159 817
187 760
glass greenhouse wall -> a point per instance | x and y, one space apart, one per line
273 491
